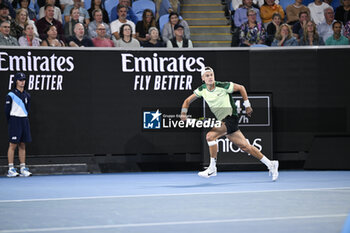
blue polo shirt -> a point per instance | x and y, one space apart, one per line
17 104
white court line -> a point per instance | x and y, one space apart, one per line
175 194
234 220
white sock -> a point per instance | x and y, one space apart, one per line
266 161
22 165
10 165
212 162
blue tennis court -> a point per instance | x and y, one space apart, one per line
300 201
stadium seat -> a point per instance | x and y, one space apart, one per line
114 14
164 7
139 6
162 21
63 21
87 4
109 5
32 5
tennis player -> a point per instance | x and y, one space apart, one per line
16 109
219 99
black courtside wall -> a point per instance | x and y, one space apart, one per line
98 107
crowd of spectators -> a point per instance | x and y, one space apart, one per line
285 23
254 23
60 23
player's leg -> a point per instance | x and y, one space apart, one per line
11 157
211 138
26 137
239 140
24 171
14 133
11 152
22 152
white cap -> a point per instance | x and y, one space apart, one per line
206 69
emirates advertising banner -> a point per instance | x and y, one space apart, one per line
116 101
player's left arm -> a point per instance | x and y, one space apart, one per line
243 92
28 102
186 105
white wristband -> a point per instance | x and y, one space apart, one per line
185 110
246 104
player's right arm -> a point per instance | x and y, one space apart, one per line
244 95
186 105
8 106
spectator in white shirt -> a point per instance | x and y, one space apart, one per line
57 11
116 24
325 29
317 11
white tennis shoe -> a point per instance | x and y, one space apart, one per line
12 172
25 172
274 170
209 172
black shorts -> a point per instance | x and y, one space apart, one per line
231 123
19 130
